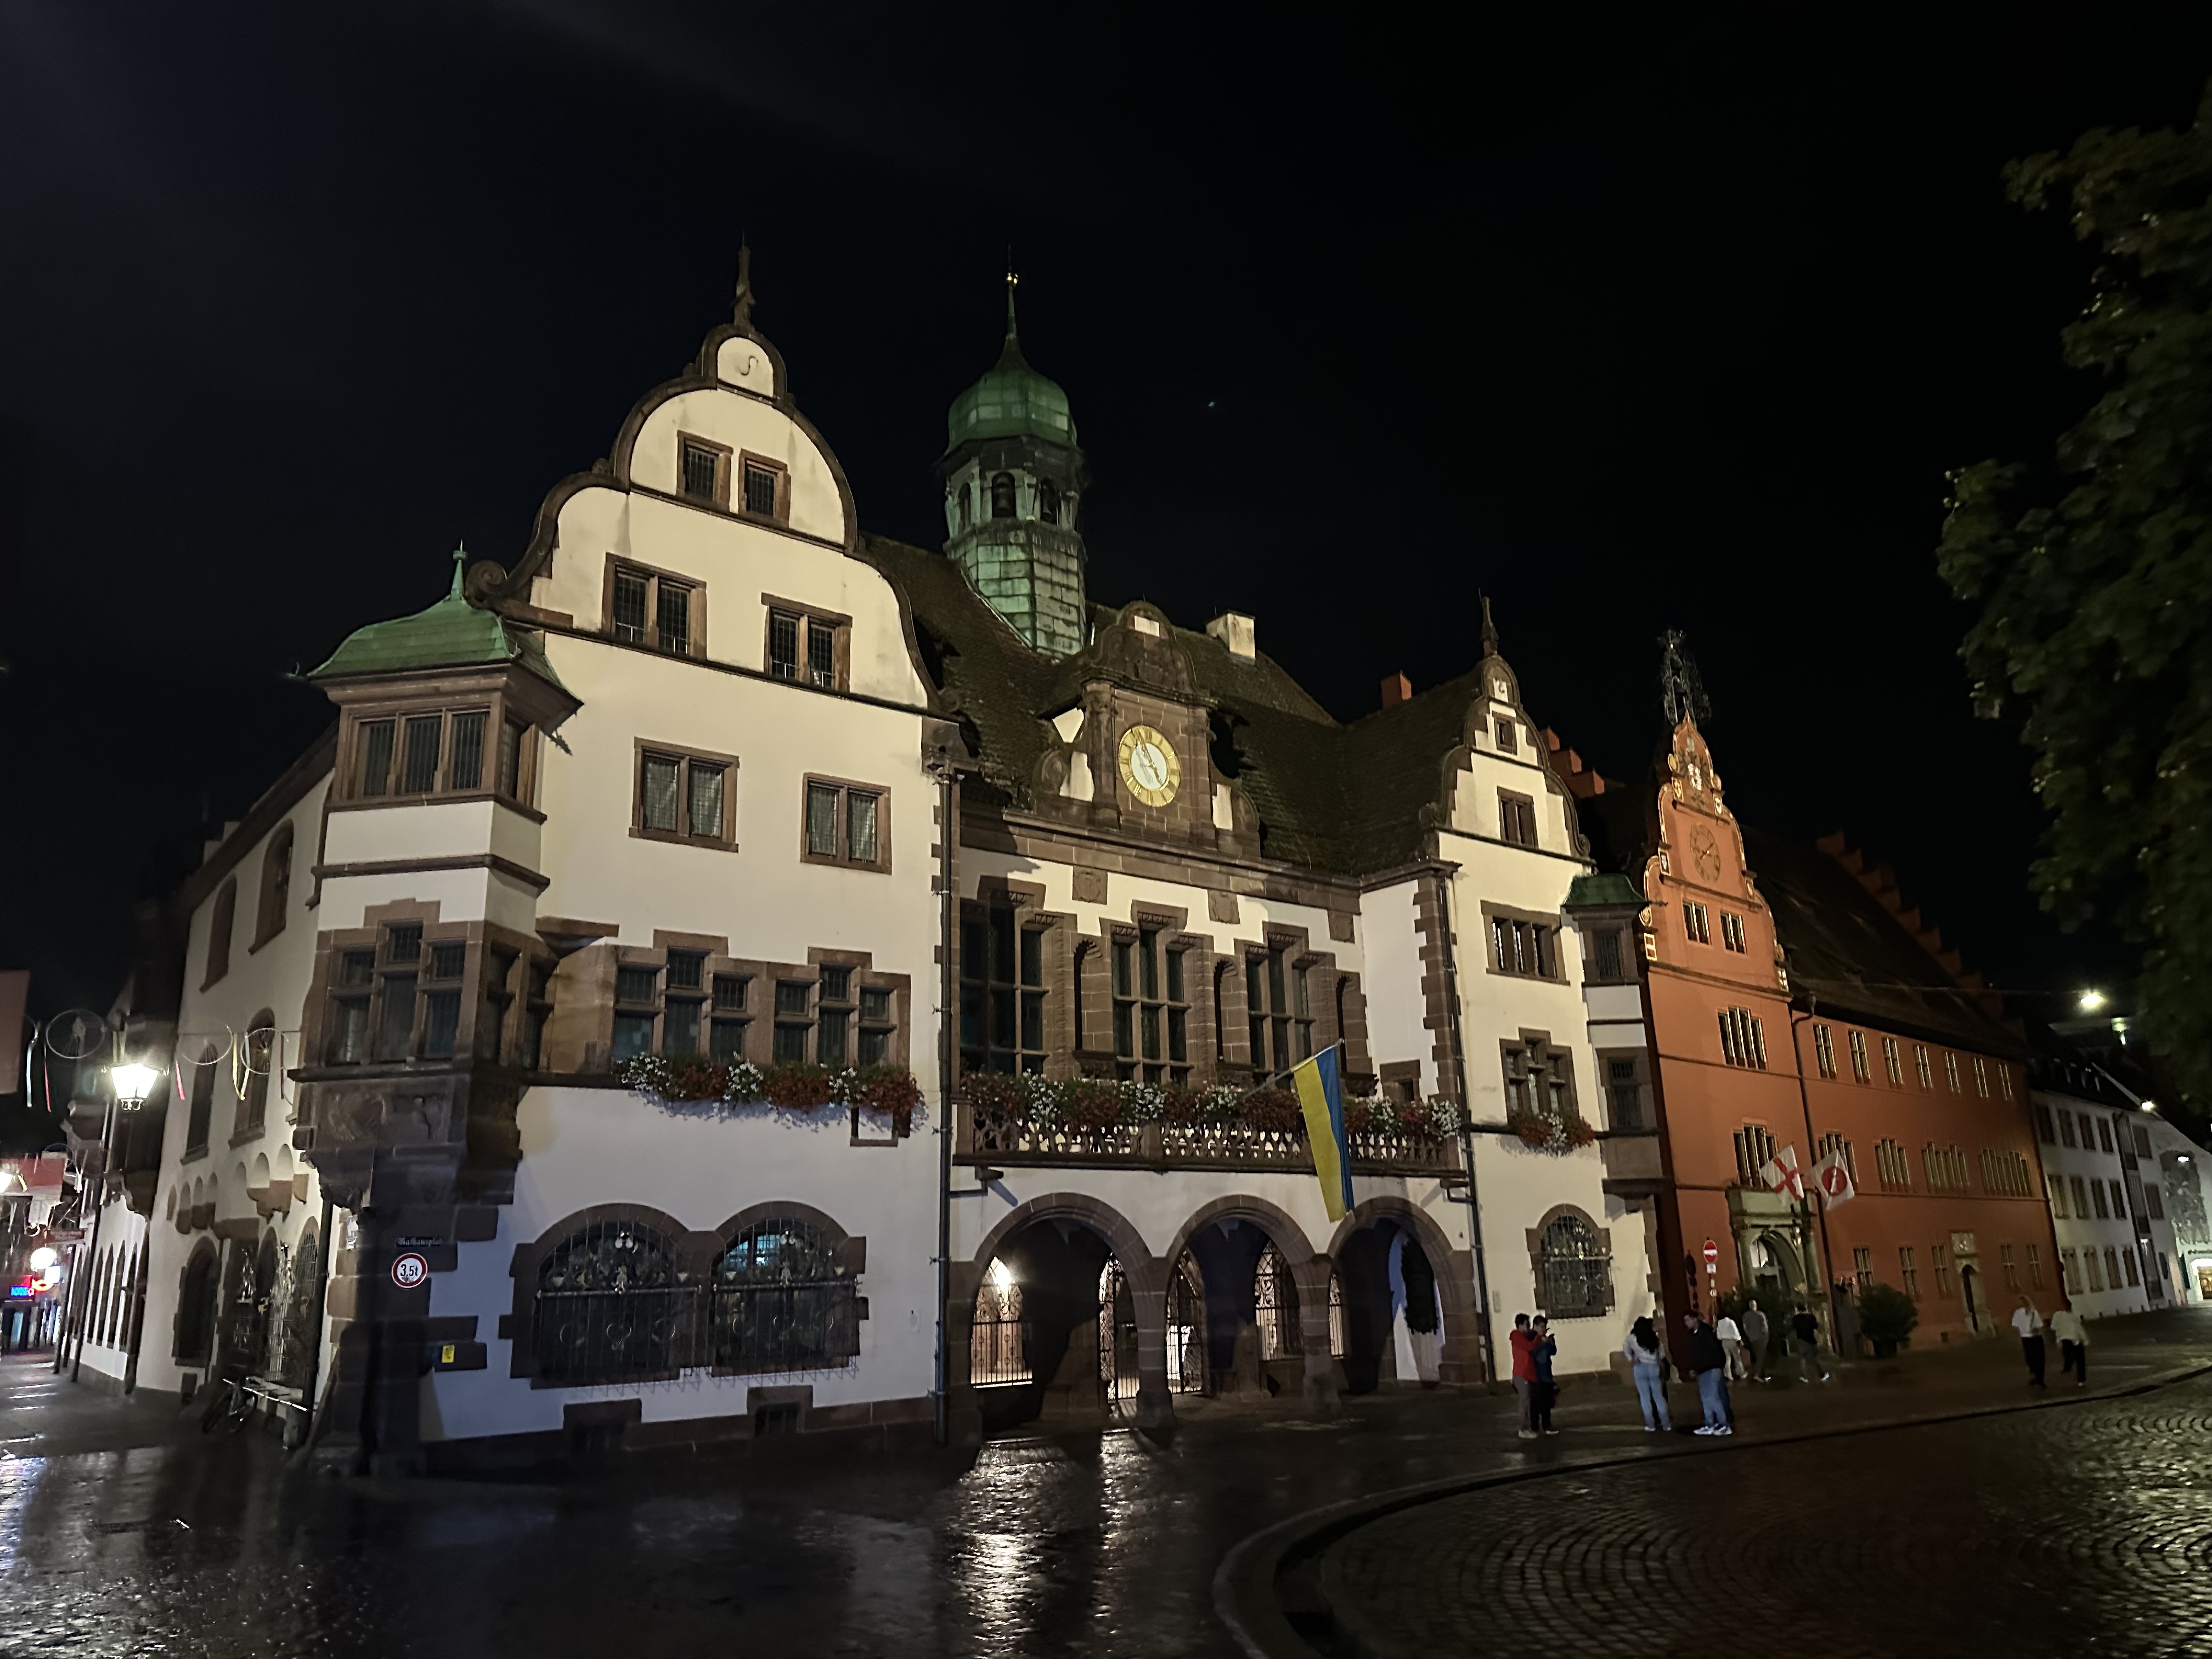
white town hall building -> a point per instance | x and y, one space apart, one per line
728 974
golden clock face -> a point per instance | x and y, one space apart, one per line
1707 853
1150 770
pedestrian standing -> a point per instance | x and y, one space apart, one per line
1546 1347
1755 1339
1805 1337
2029 1324
1709 1361
2073 1345
1731 1345
1647 1364
1524 1373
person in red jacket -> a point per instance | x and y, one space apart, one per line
1524 1373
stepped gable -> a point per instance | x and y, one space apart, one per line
1851 954
1349 800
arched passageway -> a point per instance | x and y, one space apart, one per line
1390 1312
1054 1334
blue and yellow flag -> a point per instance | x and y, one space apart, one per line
1322 1093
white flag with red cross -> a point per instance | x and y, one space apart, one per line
1782 1174
1834 1177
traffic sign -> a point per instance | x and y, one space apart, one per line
1712 1257
410 1270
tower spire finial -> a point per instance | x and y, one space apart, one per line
741 305
1681 688
460 564
1013 281
1489 629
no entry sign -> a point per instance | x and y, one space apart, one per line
1712 1257
410 1270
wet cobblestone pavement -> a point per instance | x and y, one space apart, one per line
2084 1530
125 1531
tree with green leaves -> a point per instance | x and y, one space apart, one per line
2095 577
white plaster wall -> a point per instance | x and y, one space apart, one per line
1392 982
431 831
120 1234
745 424
1515 1187
760 895
587 1146
276 977
2073 1233
462 894
743 363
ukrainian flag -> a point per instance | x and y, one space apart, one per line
1320 1091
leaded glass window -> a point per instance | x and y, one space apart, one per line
611 1306
784 1300
1577 1269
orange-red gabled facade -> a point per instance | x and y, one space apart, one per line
1931 1119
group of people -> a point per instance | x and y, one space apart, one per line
1718 1351
2073 1342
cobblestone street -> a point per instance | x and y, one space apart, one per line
123 1531
2084 1528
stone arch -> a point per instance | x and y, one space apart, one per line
1144 1274
193 1341
686 1248
1310 1271
1460 1360
853 1248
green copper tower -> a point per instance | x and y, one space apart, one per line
1014 478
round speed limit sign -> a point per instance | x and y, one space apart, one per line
410 1270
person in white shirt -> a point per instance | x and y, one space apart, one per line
1732 1344
2073 1345
2029 1324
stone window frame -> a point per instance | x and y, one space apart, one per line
846 788
1640 1059
472 1031
684 755
1536 1241
807 616
1516 813
274 900
617 565
1557 1061
719 497
1497 917
751 461
222 922
1169 926
696 1251
1621 930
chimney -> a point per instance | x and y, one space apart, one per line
1396 689
1235 630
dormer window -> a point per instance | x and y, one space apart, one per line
1048 501
1002 495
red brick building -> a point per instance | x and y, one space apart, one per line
1794 1004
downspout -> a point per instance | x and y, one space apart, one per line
1820 1219
947 827
1450 943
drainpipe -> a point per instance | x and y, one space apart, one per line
1820 1219
1465 1124
947 827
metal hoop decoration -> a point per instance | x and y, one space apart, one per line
87 1028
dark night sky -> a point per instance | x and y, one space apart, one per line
1662 323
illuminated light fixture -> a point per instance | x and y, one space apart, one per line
2150 1105
133 1082
44 1257
1001 1274
2091 1001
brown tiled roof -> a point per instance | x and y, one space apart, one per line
1349 800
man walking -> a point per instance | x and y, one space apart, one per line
1524 1373
1709 1361
2029 1323
1805 1337
2073 1345
1755 1339
1731 1345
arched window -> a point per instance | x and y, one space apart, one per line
1574 1268
785 1299
967 509
1002 495
1188 1369
220 920
611 1306
276 885
1048 501
302 1321
1276 1307
203 1100
256 1061
999 1338
196 1307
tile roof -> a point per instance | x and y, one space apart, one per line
1349 800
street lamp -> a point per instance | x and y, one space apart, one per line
133 1082
2090 1001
